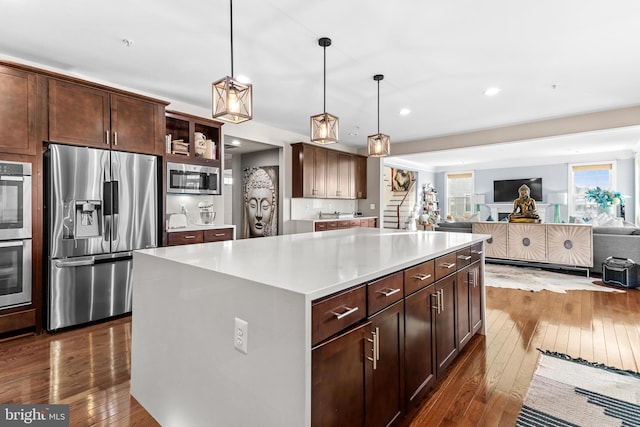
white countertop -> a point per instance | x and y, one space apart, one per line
320 263
333 219
198 227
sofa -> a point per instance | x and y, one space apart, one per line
622 242
455 227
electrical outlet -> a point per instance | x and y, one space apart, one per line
241 335
372 206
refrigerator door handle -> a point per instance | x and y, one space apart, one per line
78 262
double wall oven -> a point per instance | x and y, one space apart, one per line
15 234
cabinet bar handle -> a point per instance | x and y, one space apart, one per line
450 265
375 348
106 132
387 292
421 277
115 138
190 237
464 257
219 234
477 252
437 307
347 312
441 293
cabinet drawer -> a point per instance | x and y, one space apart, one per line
320 226
355 223
463 257
184 238
445 265
218 235
384 292
476 252
418 277
332 314
344 224
332 225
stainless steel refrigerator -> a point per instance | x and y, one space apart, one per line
100 205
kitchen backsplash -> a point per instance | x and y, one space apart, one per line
302 208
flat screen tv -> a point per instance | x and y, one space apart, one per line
506 190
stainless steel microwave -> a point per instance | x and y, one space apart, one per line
192 179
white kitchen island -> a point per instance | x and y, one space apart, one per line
185 370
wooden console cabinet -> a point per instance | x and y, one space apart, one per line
561 244
199 236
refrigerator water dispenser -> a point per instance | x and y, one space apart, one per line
87 218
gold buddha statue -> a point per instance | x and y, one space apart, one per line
524 207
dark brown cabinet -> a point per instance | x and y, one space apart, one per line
369 370
444 299
309 172
94 117
340 175
322 173
385 396
351 223
463 306
360 164
199 236
18 111
420 372
340 374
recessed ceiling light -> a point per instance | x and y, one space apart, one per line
405 112
235 142
353 134
492 91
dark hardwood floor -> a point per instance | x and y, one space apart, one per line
89 368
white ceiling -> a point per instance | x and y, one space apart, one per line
550 58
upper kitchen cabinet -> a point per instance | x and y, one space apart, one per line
192 139
88 116
309 171
18 134
327 174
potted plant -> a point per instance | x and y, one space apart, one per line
606 199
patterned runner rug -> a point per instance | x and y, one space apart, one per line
574 392
536 279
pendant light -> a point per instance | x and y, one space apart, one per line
379 145
232 100
324 127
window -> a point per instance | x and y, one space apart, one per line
459 191
583 177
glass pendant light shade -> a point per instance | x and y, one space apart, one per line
324 127
379 145
232 100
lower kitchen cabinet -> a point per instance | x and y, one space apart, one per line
463 294
199 236
419 361
385 402
444 299
340 374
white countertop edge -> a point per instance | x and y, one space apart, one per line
204 256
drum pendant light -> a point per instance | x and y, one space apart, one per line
324 127
379 145
232 100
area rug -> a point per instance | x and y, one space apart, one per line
536 279
574 392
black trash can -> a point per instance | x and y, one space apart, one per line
620 272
